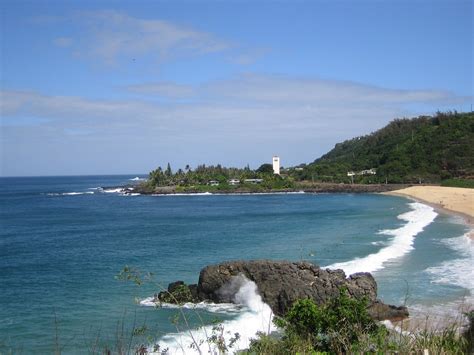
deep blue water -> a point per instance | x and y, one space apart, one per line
59 254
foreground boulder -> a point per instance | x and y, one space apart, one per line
281 283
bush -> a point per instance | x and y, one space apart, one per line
336 326
343 325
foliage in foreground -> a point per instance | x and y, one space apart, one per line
344 326
340 326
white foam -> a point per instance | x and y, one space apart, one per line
460 271
223 308
402 243
185 194
70 193
255 317
117 190
78 193
137 179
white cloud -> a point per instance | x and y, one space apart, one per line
165 89
233 122
249 56
291 90
112 36
287 105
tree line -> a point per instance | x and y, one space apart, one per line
425 149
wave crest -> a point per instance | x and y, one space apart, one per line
402 243
254 316
460 271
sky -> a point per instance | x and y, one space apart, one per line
112 87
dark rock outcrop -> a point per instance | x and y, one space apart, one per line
380 311
178 292
281 283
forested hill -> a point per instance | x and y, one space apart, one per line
426 148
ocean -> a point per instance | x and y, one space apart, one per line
63 241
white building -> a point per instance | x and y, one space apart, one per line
276 165
372 171
234 182
253 181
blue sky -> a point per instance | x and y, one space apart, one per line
105 87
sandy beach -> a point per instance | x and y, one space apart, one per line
455 200
451 199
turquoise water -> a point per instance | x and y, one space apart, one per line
62 242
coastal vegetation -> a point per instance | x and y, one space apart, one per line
343 326
217 179
427 149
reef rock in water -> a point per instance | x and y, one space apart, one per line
281 283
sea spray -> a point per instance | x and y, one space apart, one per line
221 308
402 243
255 317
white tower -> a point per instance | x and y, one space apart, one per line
276 165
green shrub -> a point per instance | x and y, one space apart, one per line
337 325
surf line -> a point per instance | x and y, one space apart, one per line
417 220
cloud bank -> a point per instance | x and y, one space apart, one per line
235 121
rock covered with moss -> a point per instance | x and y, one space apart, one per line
178 293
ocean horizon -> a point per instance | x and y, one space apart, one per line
64 239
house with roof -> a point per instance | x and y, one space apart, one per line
233 182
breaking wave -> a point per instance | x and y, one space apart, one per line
122 191
402 242
459 271
70 193
185 194
222 308
115 190
252 316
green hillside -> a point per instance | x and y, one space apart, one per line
426 148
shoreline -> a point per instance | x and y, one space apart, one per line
455 201
307 188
